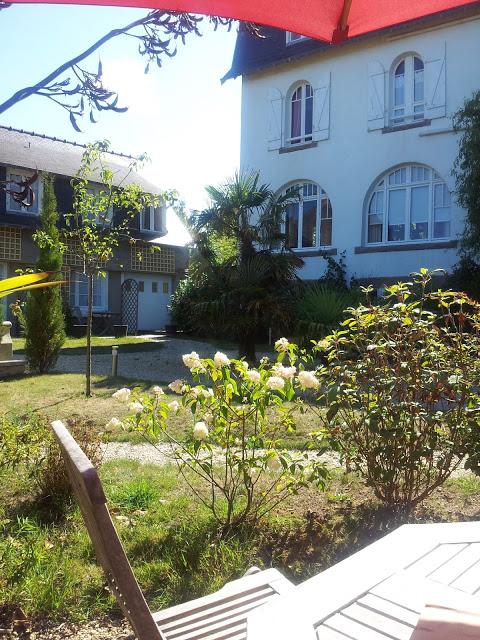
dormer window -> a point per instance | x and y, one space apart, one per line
293 37
301 115
100 216
408 91
151 219
15 179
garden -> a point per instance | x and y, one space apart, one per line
366 417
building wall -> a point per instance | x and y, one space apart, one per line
350 160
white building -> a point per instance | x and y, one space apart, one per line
366 127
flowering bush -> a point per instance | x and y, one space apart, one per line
400 387
239 417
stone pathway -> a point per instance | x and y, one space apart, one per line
163 365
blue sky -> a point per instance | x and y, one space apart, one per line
180 115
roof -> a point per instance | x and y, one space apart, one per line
255 54
29 150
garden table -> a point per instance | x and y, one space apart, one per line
380 592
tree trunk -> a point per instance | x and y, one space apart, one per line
88 370
246 347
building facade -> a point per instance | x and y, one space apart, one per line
139 282
364 130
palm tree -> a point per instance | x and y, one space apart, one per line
252 288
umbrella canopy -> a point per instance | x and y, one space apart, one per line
328 20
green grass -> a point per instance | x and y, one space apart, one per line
49 569
100 345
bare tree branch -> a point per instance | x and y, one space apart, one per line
83 91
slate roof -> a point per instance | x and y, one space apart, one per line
255 54
31 150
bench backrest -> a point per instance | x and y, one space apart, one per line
108 548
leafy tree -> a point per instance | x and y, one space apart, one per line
44 325
92 231
467 171
247 287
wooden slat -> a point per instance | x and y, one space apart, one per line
353 629
457 565
390 609
469 581
325 633
434 559
378 621
240 607
235 629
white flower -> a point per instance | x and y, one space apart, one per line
114 423
207 393
200 431
253 376
208 417
371 347
282 345
308 380
195 392
273 463
220 360
173 406
176 386
158 391
122 395
192 360
454 379
308 473
135 407
276 383
286 373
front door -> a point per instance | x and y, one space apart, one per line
154 291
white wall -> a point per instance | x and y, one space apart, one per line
348 163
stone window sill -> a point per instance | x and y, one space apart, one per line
298 147
404 127
306 253
448 244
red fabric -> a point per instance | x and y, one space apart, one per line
314 18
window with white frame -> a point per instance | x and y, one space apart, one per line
409 204
151 219
301 115
408 91
79 291
15 178
293 37
308 222
101 217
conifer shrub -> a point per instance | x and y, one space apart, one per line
43 321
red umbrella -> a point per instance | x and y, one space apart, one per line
329 20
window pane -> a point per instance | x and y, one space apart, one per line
16 206
441 211
419 213
82 290
399 90
308 110
396 215
418 86
146 219
157 213
309 228
326 223
291 225
326 209
374 230
296 123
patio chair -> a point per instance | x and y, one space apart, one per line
219 616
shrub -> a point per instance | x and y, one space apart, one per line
233 446
320 308
43 322
401 390
29 442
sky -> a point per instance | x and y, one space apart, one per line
180 115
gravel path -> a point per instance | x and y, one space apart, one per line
163 365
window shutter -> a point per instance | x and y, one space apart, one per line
435 95
376 95
321 109
275 119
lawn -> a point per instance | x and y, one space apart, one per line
100 345
49 570
60 396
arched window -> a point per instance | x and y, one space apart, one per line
308 222
301 115
408 99
411 203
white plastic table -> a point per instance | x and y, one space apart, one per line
379 592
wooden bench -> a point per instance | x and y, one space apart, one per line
219 616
